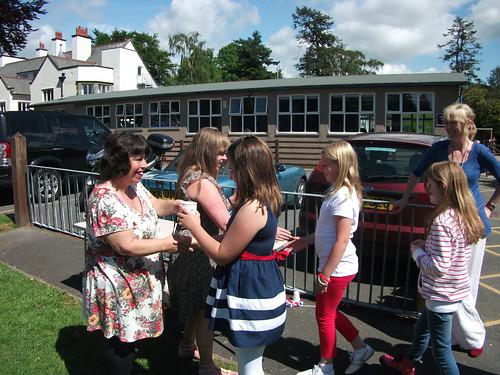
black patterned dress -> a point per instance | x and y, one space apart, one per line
189 273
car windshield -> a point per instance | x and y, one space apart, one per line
172 166
390 162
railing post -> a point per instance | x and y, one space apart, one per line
276 150
19 162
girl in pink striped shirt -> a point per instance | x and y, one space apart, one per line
443 261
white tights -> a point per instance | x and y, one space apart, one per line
250 360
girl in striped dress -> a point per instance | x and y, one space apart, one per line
443 260
246 299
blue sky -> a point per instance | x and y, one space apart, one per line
402 34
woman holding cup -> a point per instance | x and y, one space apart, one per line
189 273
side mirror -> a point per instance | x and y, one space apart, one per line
280 167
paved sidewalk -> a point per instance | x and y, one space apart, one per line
57 259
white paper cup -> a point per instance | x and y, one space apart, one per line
296 296
190 206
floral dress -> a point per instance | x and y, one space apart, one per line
122 295
189 273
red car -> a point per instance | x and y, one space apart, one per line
386 161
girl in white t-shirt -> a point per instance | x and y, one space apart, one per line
338 262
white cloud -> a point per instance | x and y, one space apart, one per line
286 50
44 34
86 9
217 21
394 69
393 30
486 17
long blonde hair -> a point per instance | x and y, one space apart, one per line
455 193
464 115
254 173
201 154
343 153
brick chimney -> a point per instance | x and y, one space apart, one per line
41 51
59 44
82 46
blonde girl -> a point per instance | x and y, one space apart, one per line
443 260
338 262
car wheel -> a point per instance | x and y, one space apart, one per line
301 188
47 186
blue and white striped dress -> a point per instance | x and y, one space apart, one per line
246 299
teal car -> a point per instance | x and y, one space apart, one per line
292 179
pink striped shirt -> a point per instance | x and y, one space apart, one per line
444 262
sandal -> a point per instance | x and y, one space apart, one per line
188 352
214 370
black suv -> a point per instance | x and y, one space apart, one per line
54 139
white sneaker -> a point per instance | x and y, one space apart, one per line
319 370
358 358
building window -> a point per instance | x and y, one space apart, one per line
352 113
248 114
86 89
164 114
298 113
3 107
129 115
139 70
23 106
410 112
100 112
102 87
48 94
203 113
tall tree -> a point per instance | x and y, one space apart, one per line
494 78
197 63
325 53
157 60
15 24
462 48
486 105
246 59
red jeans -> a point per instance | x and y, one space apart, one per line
329 319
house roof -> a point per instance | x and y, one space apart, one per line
277 84
64 62
20 86
96 55
28 65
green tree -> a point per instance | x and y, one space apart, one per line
197 63
486 106
157 60
15 24
494 78
246 59
325 53
462 48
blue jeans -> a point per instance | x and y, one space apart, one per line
435 327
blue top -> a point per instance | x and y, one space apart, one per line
480 159
246 299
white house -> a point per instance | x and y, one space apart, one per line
85 70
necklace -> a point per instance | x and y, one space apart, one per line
464 153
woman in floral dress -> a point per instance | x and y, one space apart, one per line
123 277
190 272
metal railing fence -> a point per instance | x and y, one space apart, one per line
387 276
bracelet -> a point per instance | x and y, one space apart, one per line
323 277
323 281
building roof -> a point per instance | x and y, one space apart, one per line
64 62
276 84
28 65
19 86
96 55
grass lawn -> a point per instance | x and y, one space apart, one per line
6 223
42 332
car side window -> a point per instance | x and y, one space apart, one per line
68 131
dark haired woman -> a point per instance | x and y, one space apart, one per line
123 276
